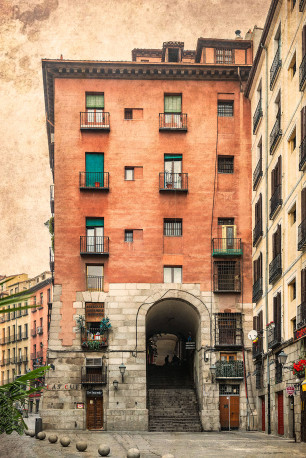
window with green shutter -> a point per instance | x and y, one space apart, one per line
95 101
173 103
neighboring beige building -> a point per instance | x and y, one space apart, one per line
276 88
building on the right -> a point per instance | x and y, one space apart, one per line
277 90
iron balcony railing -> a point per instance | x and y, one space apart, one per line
274 336
91 339
40 354
94 283
276 133
173 121
302 235
301 315
51 254
2 341
302 5
229 369
33 332
25 335
275 67
98 120
99 377
302 154
98 181
94 245
276 201
257 116
25 358
302 73
19 336
14 360
257 347
226 247
33 355
228 330
257 232
257 290
278 372
52 198
257 174
173 181
275 268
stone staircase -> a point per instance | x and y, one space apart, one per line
172 401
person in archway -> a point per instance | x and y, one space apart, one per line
189 337
167 360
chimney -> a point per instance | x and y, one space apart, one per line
238 35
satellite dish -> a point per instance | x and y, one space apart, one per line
252 334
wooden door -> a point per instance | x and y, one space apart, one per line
229 412
280 404
263 414
303 416
94 413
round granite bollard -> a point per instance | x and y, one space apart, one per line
41 436
81 446
133 453
52 438
65 441
103 450
31 433
26 432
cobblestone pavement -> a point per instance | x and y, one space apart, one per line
154 445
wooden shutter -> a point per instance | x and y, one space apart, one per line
259 265
279 171
275 309
279 239
272 182
304 41
255 272
303 123
303 204
303 285
279 313
259 209
255 323
274 245
260 321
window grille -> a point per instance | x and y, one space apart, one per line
128 236
224 56
128 113
228 329
225 109
229 389
173 228
227 276
225 164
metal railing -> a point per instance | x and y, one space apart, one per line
301 315
33 356
257 347
91 339
94 245
94 180
257 231
229 369
94 283
257 174
228 330
275 268
275 67
302 5
302 235
99 120
169 181
52 198
302 154
276 200
226 247
33 332
99 377
257 290
276 133
40 354
173 121
227 278
274 336
257 115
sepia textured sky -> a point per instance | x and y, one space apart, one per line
78 29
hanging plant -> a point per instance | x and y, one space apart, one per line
93 344
105 325
299 368
80 322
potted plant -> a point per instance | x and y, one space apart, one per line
299 368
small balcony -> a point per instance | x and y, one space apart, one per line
170 182
34 332
19 336
25 335
173 122
92 340
302 235
257 290
51 259
257 116
94 245
94 283
302 74
275 68
52 198
276 133
257 348
40 354
275 268
14 360
276 201
301 316
33 356
257 174
302 162
274 337
228 330
98 376
302 5
98 121
257 232
94 181
229 369
226 247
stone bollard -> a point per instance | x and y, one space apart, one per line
26 432
103 450
81 446
41 436
31 433
133 453
65 441
52 438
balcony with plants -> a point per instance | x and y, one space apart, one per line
94 181
94 335
172 182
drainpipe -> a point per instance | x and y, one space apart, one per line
266 232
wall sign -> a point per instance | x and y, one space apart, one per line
80 405
300 333
62 386
290 390
98 393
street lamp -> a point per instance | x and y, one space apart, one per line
282 358
122 371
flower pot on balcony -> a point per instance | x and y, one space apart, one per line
97 184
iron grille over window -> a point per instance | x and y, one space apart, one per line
225 109
229 389
224 56
128 236
227 276
259 376
173 227
225 164
228 329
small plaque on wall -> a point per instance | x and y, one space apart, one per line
80 405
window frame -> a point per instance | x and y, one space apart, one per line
174 228
128 235
172 273
228 167
225 108
126 169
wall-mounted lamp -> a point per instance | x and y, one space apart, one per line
115 383
122 371
213 370
282 357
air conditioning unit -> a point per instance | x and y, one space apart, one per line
93 362
39 330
